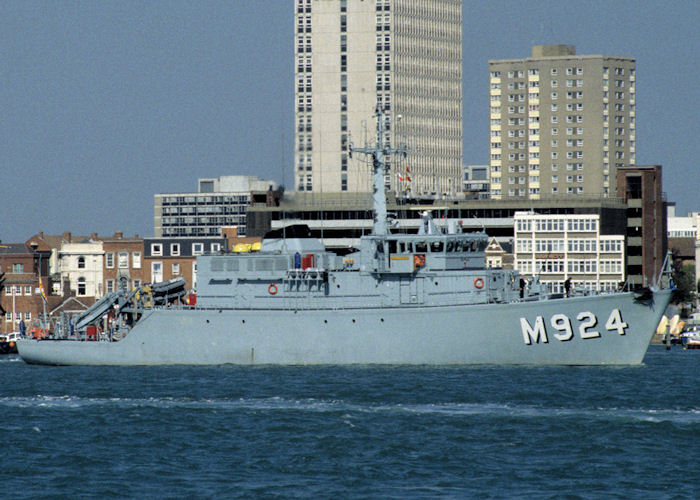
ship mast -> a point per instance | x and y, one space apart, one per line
379 153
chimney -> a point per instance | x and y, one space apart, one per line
41 234
93 236
119 235
66 236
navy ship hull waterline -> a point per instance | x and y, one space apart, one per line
422 298
470 334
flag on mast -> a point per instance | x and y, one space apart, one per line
41 289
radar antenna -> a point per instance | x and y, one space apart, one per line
378 154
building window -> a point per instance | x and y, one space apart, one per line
81 262
156 271
175 249
110 286
136 260
137 283
176 269
123 261
216 247
27 289
197 248
156 249
109 257
82 287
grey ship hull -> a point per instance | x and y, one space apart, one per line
574 331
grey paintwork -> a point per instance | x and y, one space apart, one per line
425 298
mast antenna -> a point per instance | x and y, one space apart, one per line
378 154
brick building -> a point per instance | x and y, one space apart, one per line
168 258
26 270
123 262
647 240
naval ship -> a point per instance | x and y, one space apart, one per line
423 298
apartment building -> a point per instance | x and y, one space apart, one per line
403 55
560 123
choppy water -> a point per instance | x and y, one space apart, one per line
357 432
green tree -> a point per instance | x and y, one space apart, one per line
684 279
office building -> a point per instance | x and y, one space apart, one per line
405 56
340 219
560 123
585 248
475 182
218 202
684 238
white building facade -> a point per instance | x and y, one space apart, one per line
559 247
80 265
686 227
405 56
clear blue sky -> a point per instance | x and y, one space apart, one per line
104 104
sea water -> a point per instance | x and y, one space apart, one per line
352 432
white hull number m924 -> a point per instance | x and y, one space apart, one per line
563 325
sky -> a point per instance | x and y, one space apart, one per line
104 104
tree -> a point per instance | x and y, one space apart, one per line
684 279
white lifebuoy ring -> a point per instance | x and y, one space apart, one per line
272 289
479 283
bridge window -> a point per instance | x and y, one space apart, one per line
436 247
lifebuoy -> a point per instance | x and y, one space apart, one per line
479 283
272 289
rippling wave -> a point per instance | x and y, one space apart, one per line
351 432
279 404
